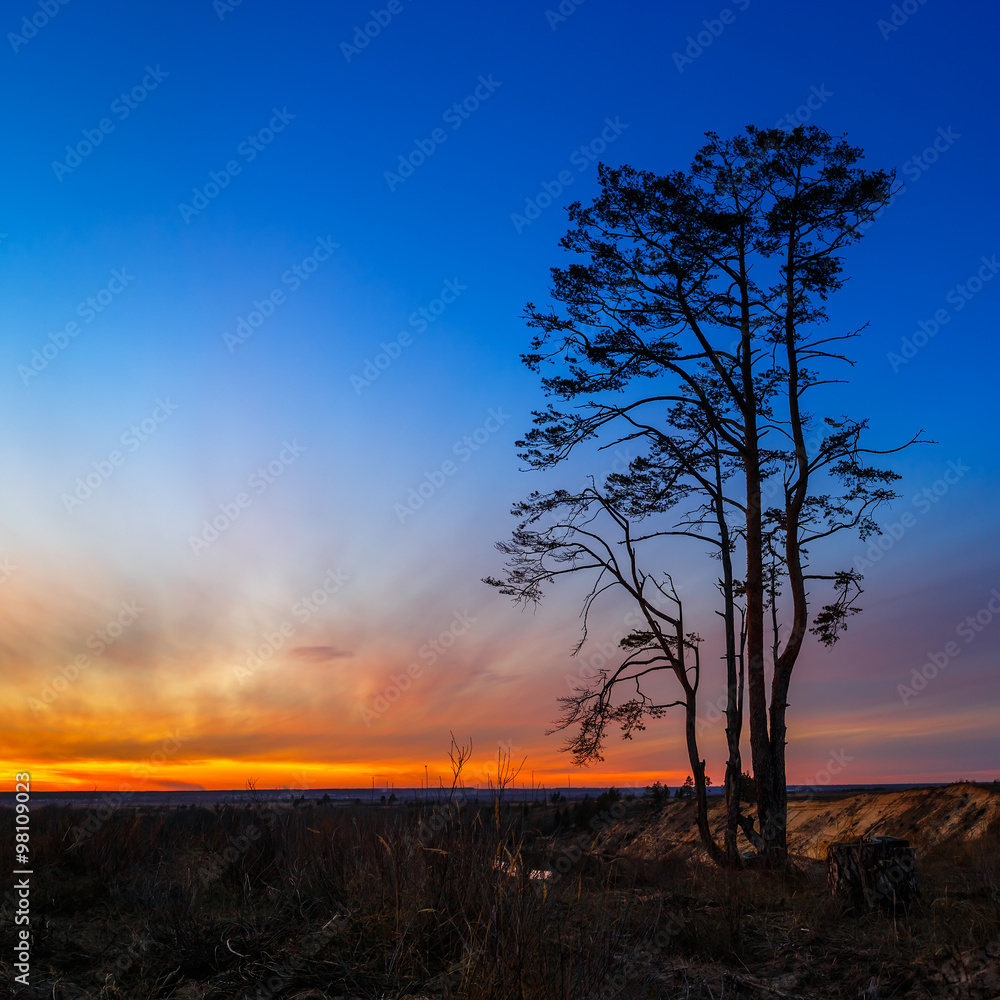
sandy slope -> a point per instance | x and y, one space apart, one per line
924 816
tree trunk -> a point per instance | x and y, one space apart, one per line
772 827
734 686
777 813
715 853
734 772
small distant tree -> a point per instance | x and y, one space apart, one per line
607 799
686 791
748 788
657 793
583 812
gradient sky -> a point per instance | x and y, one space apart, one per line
169 695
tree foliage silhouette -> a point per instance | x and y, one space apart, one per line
692 325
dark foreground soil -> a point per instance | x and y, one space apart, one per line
316 901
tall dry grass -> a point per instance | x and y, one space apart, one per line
269 899
312 901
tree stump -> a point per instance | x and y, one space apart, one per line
877 871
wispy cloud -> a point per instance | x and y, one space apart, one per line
320 654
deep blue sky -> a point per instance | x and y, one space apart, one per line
554 86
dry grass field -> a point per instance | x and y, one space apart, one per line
315 901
